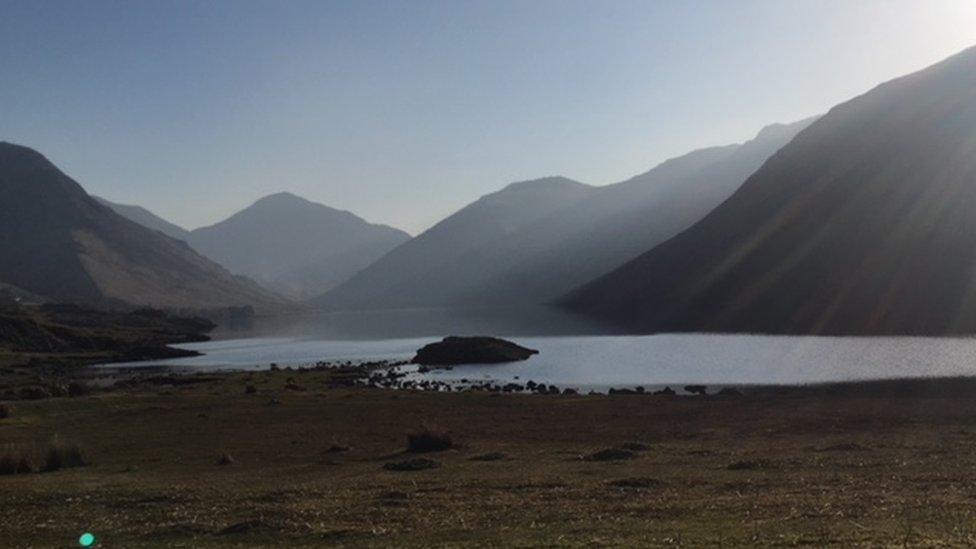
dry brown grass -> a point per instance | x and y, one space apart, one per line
870 465
60 455
429 440
16 459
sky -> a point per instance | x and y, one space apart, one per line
403 112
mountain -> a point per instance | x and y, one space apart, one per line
146 218
294 246
58 242
863 224
438 266
534 241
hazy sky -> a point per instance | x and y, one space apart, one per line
404 111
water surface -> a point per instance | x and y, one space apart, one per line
590 361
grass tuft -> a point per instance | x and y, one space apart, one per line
635 446
611 454
636 483
62 456
16 460
490 456
416 464
427 440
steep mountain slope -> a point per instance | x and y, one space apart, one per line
294 246
863 224
144 217
438 266
559 242
60 243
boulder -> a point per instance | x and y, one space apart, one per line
471 350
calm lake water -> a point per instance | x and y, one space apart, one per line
571 356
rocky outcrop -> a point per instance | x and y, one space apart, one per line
471 350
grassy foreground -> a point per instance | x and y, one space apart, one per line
871 464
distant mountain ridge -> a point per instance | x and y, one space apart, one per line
534 241
146 218
450 257
863 224
58 242
294 246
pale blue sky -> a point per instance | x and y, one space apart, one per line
404 111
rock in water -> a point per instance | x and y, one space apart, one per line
471 350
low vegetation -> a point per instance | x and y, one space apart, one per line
21 458
774 467
71 335
16 459
415 464
427 440
611 454
60 455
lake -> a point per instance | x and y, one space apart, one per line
576 352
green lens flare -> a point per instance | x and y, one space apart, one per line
86 540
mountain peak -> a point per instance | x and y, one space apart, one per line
293 245
10 148
776 131
22 156
550 183
283 197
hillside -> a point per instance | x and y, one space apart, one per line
146 218
438 266
294 246
863 224
534 241
58 242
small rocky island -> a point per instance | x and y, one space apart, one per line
455 350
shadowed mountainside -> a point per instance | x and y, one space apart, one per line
294 246
534 241
863 224
60 243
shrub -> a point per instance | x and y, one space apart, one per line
62 456
635 446
416 464
490 456
77 388
748 465
427 440
16 459
636 482
34 393
611 454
